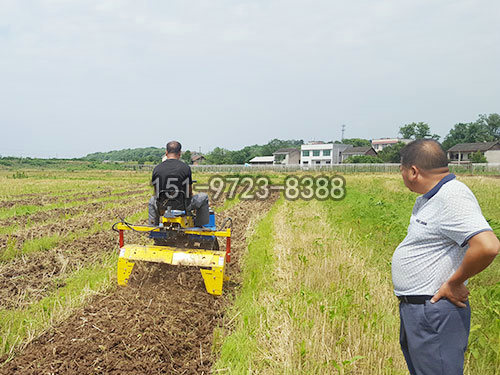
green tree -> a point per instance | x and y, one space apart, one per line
492 123
417 130
391 154
356 142
217 156
186 157
484 129
363 159
222 156
478 157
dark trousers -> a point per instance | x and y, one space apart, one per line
199 203
434 337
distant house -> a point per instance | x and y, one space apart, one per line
287 156
197 159
320 153
355 151
462 152
381 143
262 160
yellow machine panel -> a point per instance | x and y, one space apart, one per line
212 259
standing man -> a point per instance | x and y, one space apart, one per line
448 242
174 176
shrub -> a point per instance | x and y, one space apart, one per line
363 159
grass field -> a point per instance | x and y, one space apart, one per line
311 290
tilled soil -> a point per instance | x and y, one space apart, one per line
162 323
44 199
26 280
72 225
57 213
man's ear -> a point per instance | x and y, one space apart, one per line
414 172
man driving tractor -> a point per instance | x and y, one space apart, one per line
173 185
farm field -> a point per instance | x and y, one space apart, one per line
310 289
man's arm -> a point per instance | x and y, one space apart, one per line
483 248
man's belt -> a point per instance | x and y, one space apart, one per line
415 300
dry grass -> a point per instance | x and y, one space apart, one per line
313 306
335 313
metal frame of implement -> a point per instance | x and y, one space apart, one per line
214 261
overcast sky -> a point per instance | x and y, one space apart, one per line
80 76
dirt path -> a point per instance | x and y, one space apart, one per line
161 323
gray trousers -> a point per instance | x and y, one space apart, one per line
434 337
199 203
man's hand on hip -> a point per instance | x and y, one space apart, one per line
483 248
455 293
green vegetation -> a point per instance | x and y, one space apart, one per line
478 157
363 159
142 155
316 293
391 154
356 142
317 296
308 305
222 156
31 209
485 128
236 354
16 326
417 130
375 214
15 163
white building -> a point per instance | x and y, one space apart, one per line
381 143
463 152
316 153
262 160
287 156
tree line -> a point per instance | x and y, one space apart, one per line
218 155
485 128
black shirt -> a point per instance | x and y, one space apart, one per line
172 173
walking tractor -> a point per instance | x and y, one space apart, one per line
179 242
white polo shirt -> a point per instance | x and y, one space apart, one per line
441 224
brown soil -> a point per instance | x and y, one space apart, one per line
161 323
27 280
79 197
71 225
61 212
44 199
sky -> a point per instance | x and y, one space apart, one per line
82 76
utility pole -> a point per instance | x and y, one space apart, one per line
343 130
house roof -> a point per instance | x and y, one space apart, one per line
197 157
357 150
286 150
389 140
262 159
473 147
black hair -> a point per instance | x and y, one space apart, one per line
173 147
425 154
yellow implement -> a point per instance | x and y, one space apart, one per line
213 261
